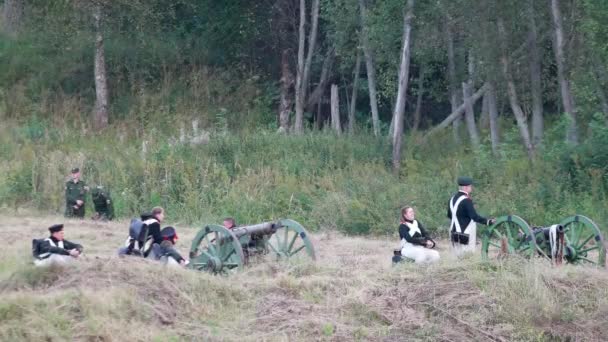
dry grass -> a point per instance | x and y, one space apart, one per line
350 293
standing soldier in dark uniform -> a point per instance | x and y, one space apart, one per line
463 228
104 207
75 190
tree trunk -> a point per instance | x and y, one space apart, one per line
456 114
312 41
467 89
403 83
12 15
562 74
452 78
317 93
535 79
300 96
601 76
335 109
353 98
520 117
418 110
371 72
286 85
100 116
484 117
493 116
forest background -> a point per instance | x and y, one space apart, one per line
334 113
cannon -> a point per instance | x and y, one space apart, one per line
217 249
583 242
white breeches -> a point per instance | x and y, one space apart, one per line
419 254
460 249
54 259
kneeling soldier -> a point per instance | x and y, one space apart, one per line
104 208
55 250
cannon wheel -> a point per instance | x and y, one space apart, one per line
216 249
584 240
290 240
513 229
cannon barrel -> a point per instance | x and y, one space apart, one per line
265 228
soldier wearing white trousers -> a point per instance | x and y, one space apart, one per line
415 241
464 218
55 250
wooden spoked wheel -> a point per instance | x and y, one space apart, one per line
508 235
290 240
584 241
216 249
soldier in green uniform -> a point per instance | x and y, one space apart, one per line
104 207
75 190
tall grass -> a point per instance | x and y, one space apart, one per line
320 179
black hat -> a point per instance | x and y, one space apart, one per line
463 181
168 232
75 170
56 228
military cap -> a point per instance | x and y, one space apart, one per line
463 181
75 170
56 228
168 232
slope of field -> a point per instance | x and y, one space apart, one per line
350 293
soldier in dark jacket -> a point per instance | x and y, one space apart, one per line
104 207
75 191
55 249
167 248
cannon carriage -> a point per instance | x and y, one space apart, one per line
217 249
578 240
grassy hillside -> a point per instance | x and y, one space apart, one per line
324 181
350 293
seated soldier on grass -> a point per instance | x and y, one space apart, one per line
167 248
416 244
55 250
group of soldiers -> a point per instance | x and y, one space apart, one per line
417 245
75 199
147 239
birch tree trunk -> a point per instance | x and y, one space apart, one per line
535 79
467 89
484 117
403 83
300 96
371 72
493 116
100 116
454 101
353 98
285 97
522 123
418 110
12 15
335 109
562 77
312 42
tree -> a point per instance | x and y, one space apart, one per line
535 78
12 15
353 98
403 84
371 71
303 71
100 115
335 109
285 102
522 123
562 74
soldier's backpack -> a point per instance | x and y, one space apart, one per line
36 247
